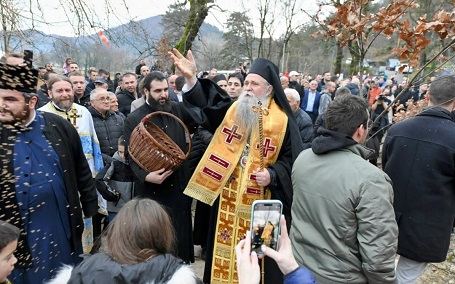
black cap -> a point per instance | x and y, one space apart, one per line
101 80
266 69
218 78
19 78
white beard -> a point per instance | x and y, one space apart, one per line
245 117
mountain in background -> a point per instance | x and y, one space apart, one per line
140 34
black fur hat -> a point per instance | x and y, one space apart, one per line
19 78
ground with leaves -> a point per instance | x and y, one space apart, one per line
443 272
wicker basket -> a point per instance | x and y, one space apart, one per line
152 149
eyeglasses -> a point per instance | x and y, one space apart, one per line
104 100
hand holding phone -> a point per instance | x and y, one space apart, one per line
284 256
247 263
265 224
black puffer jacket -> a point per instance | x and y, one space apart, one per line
108 129
125 99
102 269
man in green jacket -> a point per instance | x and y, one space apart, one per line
343 222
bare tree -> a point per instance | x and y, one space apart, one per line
290 9
266 19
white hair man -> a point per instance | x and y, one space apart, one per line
303 119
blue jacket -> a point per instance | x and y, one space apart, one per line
299 276
313 114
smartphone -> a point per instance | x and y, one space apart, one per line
265 224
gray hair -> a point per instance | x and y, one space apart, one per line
342 91
94 92
293 93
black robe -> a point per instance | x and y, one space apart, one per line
170 192
208 104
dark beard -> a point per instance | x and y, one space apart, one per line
156 106
18 119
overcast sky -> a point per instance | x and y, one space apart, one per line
140 9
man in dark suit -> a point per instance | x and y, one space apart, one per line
310 102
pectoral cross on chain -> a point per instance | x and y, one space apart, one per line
72 115
262 111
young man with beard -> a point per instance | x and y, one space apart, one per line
230 170
343 225
128 93
62 104
46 186
166 187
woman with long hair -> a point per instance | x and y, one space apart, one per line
138 247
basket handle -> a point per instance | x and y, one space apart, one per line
148 116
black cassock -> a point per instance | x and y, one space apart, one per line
170 192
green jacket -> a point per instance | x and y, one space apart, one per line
343 222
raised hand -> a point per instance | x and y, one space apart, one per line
187 66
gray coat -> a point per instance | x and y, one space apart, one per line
343 223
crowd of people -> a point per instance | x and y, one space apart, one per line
77 206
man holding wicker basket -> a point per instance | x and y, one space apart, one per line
156 141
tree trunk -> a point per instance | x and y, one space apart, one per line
198 12
355 55
338 58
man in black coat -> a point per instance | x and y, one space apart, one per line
128 94
419 156
406 96
165 187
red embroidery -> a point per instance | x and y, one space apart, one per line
268 147
211 173
231 134
251 190
214 158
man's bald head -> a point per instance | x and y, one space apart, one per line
171 80
284 82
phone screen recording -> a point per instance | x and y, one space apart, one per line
265 225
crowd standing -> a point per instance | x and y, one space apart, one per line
74 196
